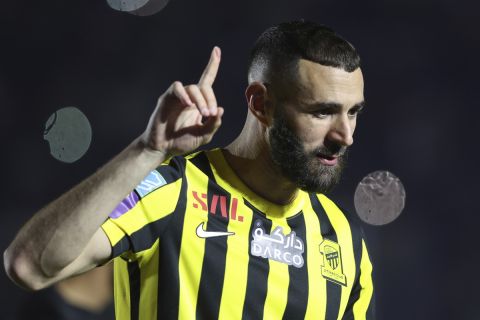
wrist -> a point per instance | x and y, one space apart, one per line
153 156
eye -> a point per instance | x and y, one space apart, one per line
322 114
352 113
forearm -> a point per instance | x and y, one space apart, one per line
59 232
64 238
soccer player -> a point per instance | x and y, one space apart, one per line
240 232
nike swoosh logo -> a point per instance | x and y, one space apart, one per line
210 234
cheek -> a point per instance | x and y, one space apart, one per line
312 135
353 125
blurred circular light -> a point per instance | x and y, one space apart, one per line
379 198
138 7
68 133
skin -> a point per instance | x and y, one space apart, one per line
91 291
314 123
65 238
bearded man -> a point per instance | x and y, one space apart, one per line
240 232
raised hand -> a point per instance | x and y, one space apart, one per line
176 125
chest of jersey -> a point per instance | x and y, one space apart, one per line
237 261
212 249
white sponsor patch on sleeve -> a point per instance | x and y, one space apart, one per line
153 181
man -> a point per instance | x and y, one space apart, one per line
243 232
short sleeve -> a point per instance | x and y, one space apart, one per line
142 216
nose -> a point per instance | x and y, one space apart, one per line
341 131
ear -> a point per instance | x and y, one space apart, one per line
259 102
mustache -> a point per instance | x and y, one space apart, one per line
328 152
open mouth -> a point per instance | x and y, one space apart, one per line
320 155
327 160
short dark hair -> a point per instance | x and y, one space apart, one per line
278 49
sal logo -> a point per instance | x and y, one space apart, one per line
276 246
218 201
332 268
153 181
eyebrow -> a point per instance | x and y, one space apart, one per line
334 106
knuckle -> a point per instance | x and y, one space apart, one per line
204 87
176 85
192 88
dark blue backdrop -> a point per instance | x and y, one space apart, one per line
420 62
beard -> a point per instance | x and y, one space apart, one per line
300 166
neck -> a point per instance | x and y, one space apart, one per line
249 157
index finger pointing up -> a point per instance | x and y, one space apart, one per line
210 72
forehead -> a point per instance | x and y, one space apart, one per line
319 83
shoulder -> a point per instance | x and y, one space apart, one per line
352 220
175 167
201 164
200 160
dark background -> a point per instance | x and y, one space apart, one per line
420 63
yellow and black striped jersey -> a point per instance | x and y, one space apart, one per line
193 242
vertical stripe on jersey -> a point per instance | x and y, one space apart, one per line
298 291
134 276
363 305
258 270
192 247
278 281
149 283
120 247
317 295
357 249
236 262
333 290
344 239
169 252
121 289
212 278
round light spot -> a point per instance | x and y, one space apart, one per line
138 7
379 198
68 133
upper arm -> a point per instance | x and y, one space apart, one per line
114 237
152 199
142 217
363 307
361 304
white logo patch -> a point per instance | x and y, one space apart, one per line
276 246
153 181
